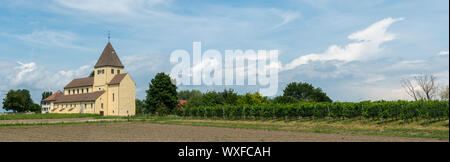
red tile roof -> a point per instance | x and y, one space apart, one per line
84 97
81 82
53 96
117 78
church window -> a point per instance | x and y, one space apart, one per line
103 71
113 97
101 105
87 90
118 71
73 91
82 90
98 72
78 91
112 71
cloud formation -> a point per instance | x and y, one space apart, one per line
367 45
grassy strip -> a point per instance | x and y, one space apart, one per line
45 116
437 129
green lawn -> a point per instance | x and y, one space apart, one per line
45 116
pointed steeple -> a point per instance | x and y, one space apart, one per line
109 58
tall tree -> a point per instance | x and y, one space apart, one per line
46 94
17 100
444 93
161 95
421 87
306 92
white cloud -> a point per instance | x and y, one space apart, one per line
443 53
367 45
286 16
30 75
50 38
127 7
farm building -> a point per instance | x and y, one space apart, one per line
109 92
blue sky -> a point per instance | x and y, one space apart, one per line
353 50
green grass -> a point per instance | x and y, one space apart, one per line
416 128
46 116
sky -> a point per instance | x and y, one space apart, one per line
353 50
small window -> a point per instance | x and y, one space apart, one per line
78 91
98 72
82 90
73 91
87 90
118 71
103 71
113 97
113 111
101 105
91 105
69 91
112 71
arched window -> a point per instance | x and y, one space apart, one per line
87 90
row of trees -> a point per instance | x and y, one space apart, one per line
162 96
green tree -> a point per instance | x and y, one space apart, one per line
305 92
188 94
34 108
252 99
284 100
140 106
46 94
161 92
229 96
17 100
212 99
92 74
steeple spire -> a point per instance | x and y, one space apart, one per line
109 36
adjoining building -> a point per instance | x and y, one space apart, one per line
109 92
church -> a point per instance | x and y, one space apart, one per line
110 92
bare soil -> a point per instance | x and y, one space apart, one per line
148 132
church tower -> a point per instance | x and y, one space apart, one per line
107 66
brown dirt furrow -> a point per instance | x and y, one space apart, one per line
147 132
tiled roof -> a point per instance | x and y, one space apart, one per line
81 82
84 97
109 58
117 78
53 96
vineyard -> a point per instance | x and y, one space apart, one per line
381 110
